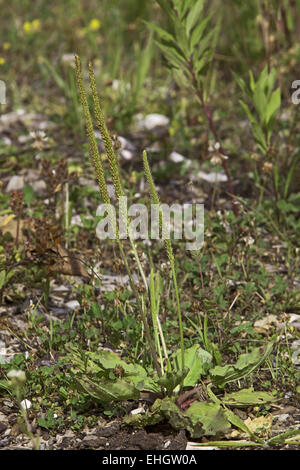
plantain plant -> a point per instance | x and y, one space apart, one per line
99 171
114 170
105 377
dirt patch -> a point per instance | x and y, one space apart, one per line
109 437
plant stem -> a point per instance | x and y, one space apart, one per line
208 114
169 249
140 307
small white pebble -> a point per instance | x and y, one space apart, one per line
167 444
138 411
72 304
25 404
176 157
153 120
126 154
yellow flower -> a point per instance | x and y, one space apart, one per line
2 60
27 27
94 24
32 27
36 25
6 46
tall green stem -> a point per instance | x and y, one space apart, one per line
169 249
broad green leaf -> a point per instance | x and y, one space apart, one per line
109 360
232 417
260 103
263 86
170 380
147 384
98 364
207 419
245 365
197 360
262 79
254 358
106 391
247 397
204 419
273 105
201 419
198 363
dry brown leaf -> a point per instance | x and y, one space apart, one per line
261 426
68 263
9 223
265 325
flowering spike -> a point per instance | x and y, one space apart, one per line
100 121
93 147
